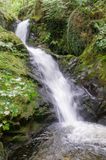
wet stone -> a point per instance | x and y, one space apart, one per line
59 143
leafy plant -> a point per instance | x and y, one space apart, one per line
15 95
6 46
101 42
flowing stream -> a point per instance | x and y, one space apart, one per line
62 95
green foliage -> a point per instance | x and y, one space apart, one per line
12 63
84 22
9 40
17 98
101 42
18 93
92 64
13 7
76 32
54 9
6 46
58 9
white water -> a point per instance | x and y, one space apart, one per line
22 30
61 93
62 97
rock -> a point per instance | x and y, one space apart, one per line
102 120
2 152
54 144
9 41
6 20
18 94
88 69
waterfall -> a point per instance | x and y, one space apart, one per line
60 90
61 93
22 30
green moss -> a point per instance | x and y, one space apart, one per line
18 93
64 60
92 63
17 97
5 19
9 41
12 63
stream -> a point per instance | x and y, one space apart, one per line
71 138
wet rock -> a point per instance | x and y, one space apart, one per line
2 152
88 70
102 120
59 143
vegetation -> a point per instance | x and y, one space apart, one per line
18 93
13 7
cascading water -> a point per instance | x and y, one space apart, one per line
61 93
22 30
62 97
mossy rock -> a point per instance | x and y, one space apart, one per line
12 63
89 69
81 25
93 62
9 41
33 11
18 92
6 20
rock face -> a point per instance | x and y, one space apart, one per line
89 69
2 152
93 104
54 144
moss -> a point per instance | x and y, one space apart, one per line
9 41
18 93
6 19
92 63
12 63
32 10
64 60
